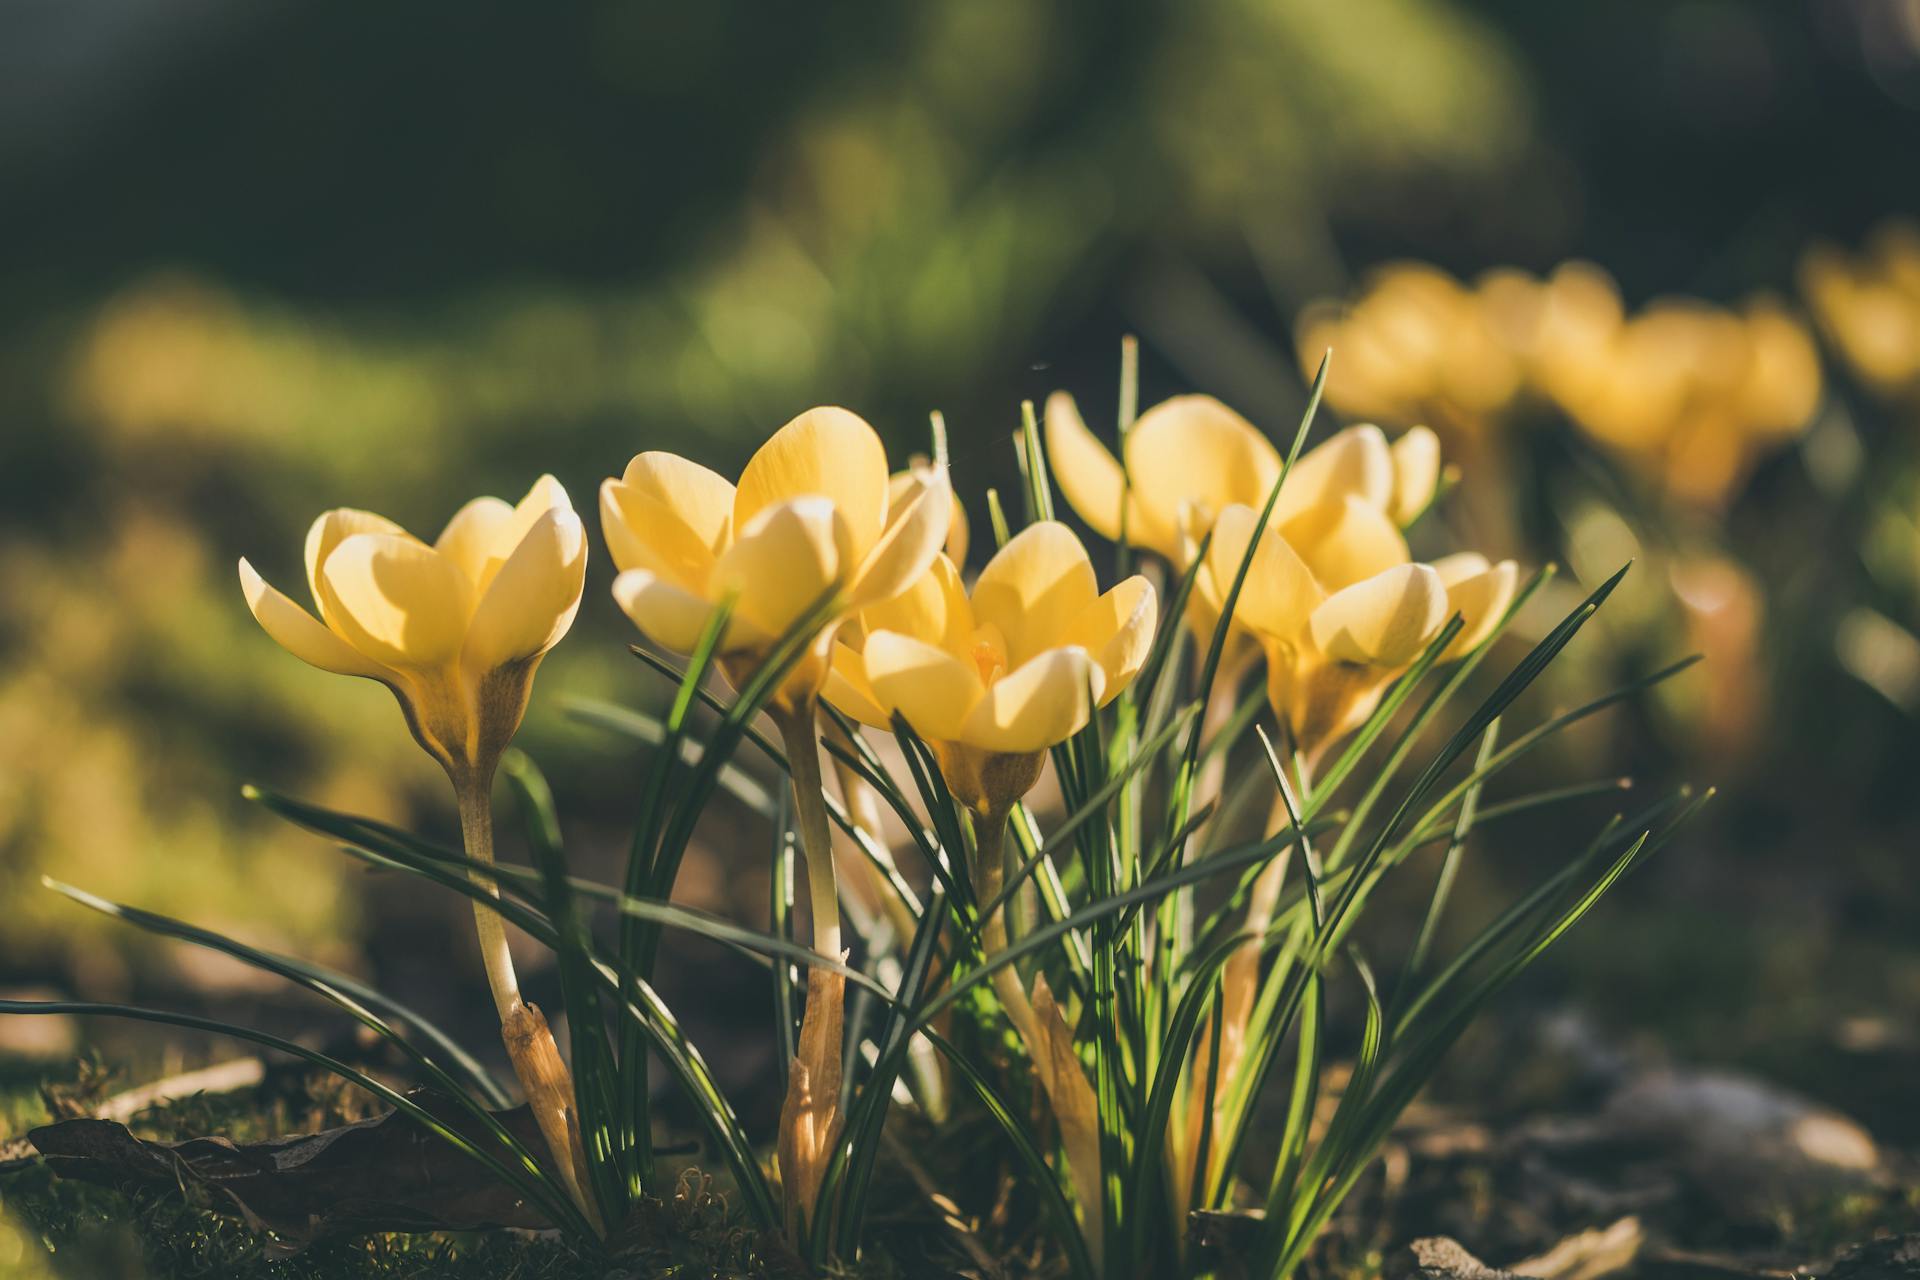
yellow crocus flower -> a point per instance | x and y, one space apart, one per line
815 511
1340 609
994 679
456 629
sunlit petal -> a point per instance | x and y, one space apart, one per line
828 453
1353 463
672 618
477 537
332 528
1193 449
1479 595
1383 621
1034 587
934 690
1345 542
1037 705
1117 630
644 532
934 609
913 537
1279 591
1416 473
846 687
1086 472
396 600
701 500
532 599
300 633
783 563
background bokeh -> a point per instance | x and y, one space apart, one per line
258 260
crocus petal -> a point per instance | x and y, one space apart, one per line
1117 629
701 500
828 453
1034 587
1460 566
1193 449
1037 705
532 599
1279 591
674 618
785 559
1345 542
1086 472
1479 598
1353 463
934 690
300 633
644 532
1385 620
912 538
934 608
846 688
901 488
476 537
332 528
396 600
1416 474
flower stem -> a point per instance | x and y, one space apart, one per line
810 1113
537 1064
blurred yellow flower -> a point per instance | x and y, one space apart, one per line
994 680
1688 393
815 513
1868 306
456 629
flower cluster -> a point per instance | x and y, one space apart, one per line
1689 393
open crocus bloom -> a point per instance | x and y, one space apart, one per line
1339 622
814 515
1191 458
993 680
455 629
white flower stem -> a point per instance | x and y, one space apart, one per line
816 838
536 1059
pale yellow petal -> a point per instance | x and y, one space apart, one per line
532 599
300 633
1480 599
673 618
1117 629
913 537
934 690
333 527
846 688
1345 542
701 500
1416 474
396 600
546 495
1086 472
1037 705
1460 566
1034 587
1194 450
1353 463
934 609
1383 621
828 453
1279 591
784 561
644 532
477 535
